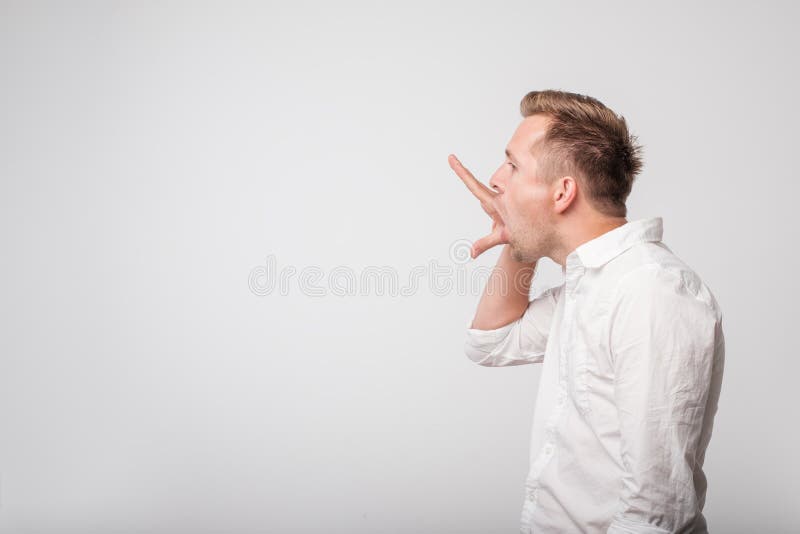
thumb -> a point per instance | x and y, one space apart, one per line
485 243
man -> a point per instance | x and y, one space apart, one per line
631 343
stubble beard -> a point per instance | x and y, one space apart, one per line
537 245
521 253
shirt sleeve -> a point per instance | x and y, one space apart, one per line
520 342
663 343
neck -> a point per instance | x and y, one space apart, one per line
582 232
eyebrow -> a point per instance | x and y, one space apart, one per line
511 156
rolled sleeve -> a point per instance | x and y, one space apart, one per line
520 342
662 340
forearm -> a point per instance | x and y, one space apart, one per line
505 296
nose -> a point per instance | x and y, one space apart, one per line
497 182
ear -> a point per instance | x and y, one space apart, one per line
565 191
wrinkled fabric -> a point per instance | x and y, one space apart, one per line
632 353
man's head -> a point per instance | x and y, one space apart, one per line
569 169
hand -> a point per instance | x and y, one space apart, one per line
499 233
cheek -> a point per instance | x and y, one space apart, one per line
525 204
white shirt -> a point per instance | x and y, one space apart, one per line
633 354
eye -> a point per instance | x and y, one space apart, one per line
512 165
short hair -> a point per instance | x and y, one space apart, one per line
587 140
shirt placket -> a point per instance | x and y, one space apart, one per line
573 273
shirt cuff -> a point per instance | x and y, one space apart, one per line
480 343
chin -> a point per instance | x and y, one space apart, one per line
516 253
520 254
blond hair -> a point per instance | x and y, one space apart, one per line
588 141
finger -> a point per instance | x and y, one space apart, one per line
485 243
483 193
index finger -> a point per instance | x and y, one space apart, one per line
478 189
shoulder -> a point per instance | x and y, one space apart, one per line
668 286
664 312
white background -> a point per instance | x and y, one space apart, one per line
154 155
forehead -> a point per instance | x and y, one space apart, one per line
529 131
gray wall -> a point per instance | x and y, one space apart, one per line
161 164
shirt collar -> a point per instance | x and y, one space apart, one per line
600 250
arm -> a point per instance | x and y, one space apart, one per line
523 336
663 343
505 296
519 342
